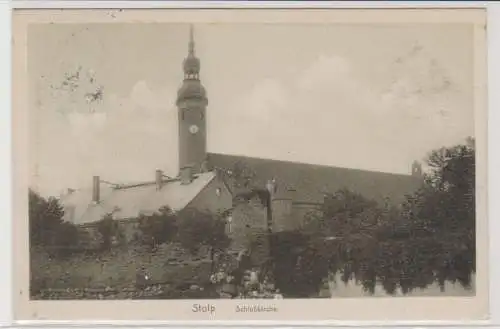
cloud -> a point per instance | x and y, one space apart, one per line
324 71
125 138
330 112
152 100
368 122
263 96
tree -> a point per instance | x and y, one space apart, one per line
159 227
429 238
197 229
442 214
44 218
110 231
299 263
243 176
47 227
346 213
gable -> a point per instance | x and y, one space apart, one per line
215 197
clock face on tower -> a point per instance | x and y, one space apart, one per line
193 129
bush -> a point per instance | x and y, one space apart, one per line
47 228
158 228
110 232
298 263
198 229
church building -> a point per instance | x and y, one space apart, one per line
206 181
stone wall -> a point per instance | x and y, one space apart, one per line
247 217
119 268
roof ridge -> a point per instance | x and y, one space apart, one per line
165 180
120 186
324 166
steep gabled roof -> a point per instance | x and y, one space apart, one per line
311 182
130 202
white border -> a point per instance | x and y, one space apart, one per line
5 165
244 4
5 133
493 35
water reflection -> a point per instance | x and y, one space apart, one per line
337 288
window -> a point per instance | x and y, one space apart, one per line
201 116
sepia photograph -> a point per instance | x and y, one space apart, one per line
200 160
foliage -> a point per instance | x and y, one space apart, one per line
47 227
44 217
442 214
190 227
242 175
429 238
299 264
159 227
345 214
110 231
196 229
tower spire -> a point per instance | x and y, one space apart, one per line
191 63
191 40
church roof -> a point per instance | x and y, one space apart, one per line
130 202
311 182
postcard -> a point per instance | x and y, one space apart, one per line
250 164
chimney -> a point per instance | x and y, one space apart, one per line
96 189
186 175
159 179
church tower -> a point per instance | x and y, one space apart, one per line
191 104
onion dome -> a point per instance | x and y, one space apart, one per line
191 63
191 87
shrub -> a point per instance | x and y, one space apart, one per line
158 228
110 231
47 228
198 229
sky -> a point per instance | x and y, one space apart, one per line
374 97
